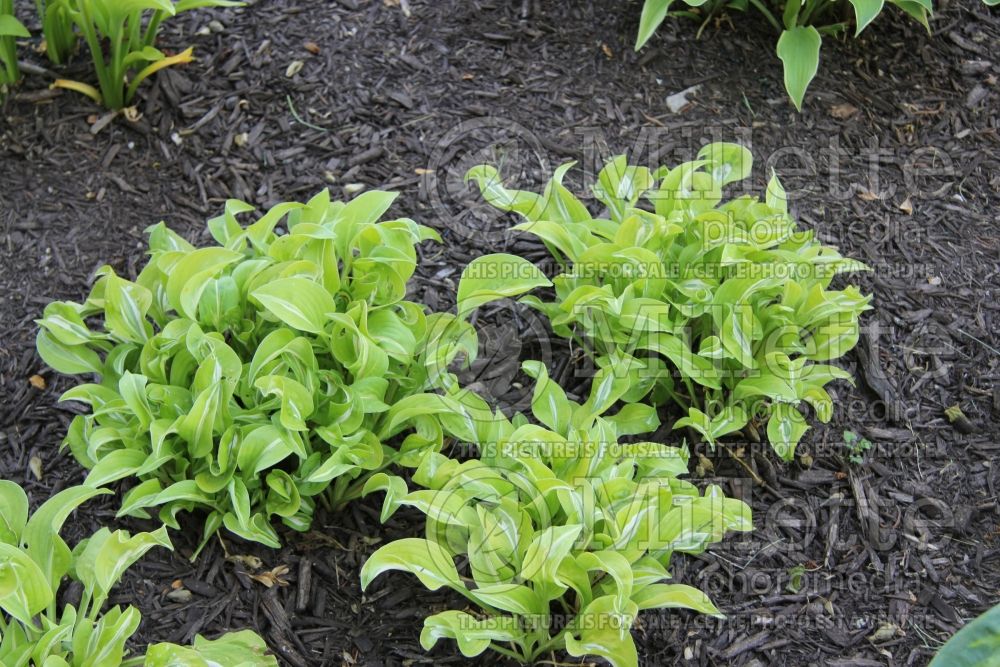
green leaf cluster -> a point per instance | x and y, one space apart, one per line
801 25
250 378
34 559
120 36
723 308
557 534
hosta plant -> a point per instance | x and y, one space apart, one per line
10 30
724 305
801 25
557 535
247 377
121 37
36 630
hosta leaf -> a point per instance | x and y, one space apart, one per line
635 418
546 552
473 635
727 162
11 27
24 587
106 555
548 401
296 400
653 13
528 204
604 632
674 596
495 277
125 308
13 512
235 649
785 428
41 533
62 319
68 359
798 49
300 303
189 275
514 598
865 12
116 465
431 564
106 644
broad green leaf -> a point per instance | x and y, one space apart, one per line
125 308
785 428
62 319
431 564
675 596
604 632
473 635
495 277
727 163
244 648
24 586
190 273
798 49
116 465
68 359
548 401
296 401
300 303
547 551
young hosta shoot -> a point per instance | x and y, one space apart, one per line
10 30
558 536
245 378
725 307
121 37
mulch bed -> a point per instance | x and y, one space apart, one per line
896 159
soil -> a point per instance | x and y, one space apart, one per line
895 158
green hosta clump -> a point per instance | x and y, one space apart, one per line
247 377
34 630
562 534
724 307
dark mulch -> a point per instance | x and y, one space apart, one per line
895 159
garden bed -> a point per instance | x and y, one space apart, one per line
896 159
